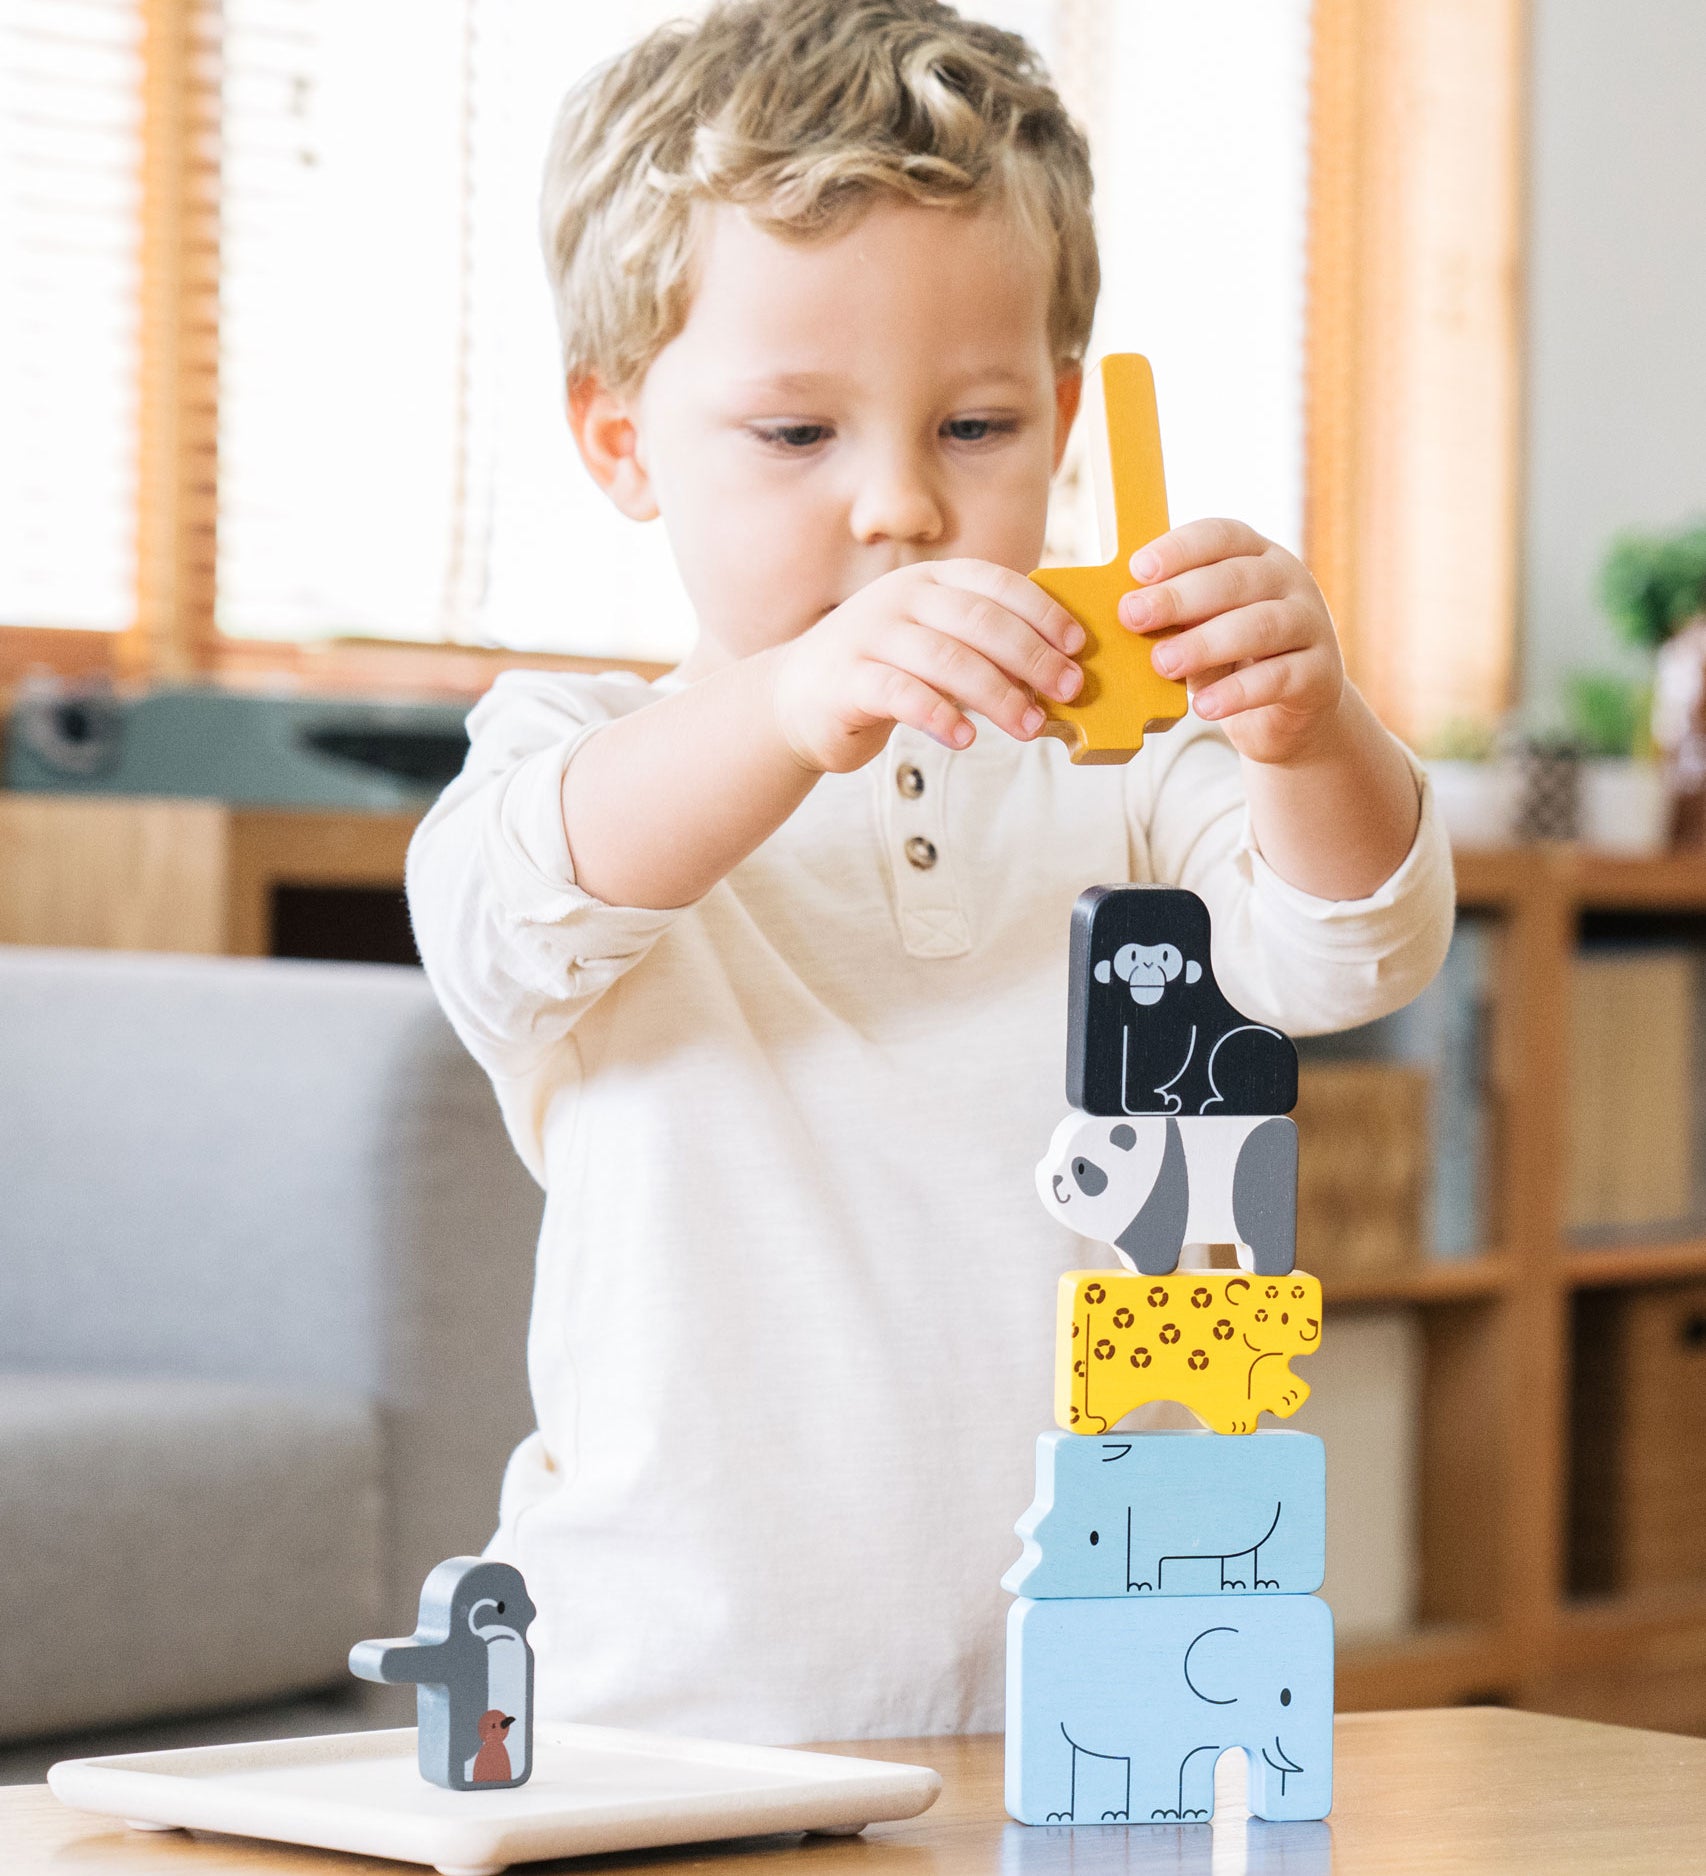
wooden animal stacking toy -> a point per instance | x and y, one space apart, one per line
1123 695
472 1670
1166 1608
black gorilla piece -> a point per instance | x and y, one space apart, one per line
1147 1030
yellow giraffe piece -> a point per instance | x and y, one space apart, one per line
1124 696
1219 1342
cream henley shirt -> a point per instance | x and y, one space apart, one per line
792 1329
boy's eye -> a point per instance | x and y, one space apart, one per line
976 429
793 435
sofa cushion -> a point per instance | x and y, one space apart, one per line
278 1173
171 1544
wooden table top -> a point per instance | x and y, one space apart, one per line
1455 1792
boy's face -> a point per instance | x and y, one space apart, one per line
837 408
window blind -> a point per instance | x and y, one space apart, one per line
394 455
70 317
394 460
353 286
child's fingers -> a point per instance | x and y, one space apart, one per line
1287 680
1007 640
1017 595
1194 544
887 694
1266 630
956 669
1199 593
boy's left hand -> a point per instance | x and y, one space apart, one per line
1257 648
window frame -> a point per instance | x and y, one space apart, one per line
1379 488
1413 349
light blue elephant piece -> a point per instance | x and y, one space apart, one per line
1174 1514
1118 1709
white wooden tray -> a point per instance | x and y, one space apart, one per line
593 1788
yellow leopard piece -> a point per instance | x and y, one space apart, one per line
1218 1342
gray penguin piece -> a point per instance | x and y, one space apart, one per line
473 1672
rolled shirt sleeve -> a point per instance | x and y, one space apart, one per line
514 948
1283 955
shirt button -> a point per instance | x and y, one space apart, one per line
921 852
910 781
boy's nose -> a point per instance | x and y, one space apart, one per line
896 503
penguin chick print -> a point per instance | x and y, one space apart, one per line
491 1762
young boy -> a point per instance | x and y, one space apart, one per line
767 960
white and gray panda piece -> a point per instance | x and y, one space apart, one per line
473 1675
1180 1138
1153 1188
1147 1029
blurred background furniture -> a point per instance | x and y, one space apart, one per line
1545 1514
148 874
1542 1470
193 818
265 1263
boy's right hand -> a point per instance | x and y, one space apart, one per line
923 645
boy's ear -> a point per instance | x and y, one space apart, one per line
1068 390
605 435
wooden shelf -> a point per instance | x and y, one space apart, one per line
1655 1632
127 872
1611 1265
1493 877
1498 877
1675 883
1449 1663
1439 1282
1496 1401
1434 1667
1498 1379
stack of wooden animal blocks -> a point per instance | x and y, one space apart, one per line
1165 1606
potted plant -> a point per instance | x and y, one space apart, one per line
1623 805
1474 785
1654 588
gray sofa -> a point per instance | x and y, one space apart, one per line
265 1263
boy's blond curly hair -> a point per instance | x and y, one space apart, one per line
799 112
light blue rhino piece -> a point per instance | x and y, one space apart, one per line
1118 1710
1174 1514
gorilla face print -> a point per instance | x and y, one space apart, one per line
1148 970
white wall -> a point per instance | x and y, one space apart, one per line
1616 290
